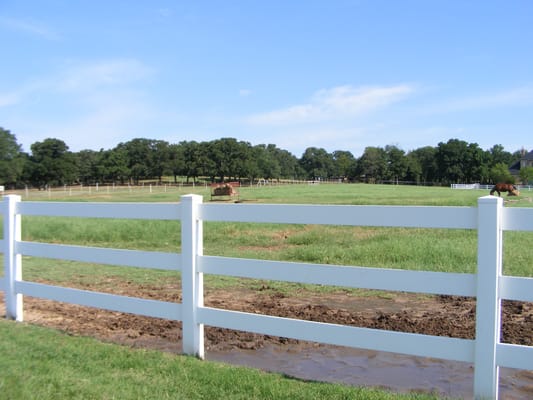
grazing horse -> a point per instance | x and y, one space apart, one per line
505 187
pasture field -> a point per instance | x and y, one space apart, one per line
85 362
408 248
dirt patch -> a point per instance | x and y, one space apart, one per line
433 315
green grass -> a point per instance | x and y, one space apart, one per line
56 366
311 194
39 363
408 248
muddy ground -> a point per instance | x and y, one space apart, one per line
434 315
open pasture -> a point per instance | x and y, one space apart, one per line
304 193
409 248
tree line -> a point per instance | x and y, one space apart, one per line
50 163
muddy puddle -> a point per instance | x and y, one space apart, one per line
391 371
438 315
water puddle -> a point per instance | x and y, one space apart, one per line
392 371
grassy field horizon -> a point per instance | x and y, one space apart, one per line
304 193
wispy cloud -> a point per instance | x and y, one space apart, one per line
101 74
9 99
29 27
514 97
81 79
100 101
336 103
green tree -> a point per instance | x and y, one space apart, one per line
526 175
229 158
372 165
499 155
51 163
317 163
499 173
147 158
414 168
425 157
176 160
89 164
263 163
396 163
451 163
288 163
11 159
159 156
196 160
114 165
476 163
344 164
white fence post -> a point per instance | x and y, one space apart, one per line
12 260
488 308
192 281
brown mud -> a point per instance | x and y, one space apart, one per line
433 315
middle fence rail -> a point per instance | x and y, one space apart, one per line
488 285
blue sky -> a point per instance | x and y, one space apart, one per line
336 74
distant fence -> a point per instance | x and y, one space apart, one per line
489 286
478 186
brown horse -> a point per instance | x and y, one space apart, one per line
505 187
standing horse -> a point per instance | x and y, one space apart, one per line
505 187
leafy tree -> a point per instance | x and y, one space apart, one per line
288 163
114 165
263 163
476 163
196 160
317 163
423 160
11 159
526 175
159 156
52 164
176 160
89 164
396 163
450 159
147 158
229 158
499 173
344 164
372 165
414 168
499 156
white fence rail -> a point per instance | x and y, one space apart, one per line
490 219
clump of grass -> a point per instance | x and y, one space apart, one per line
39 363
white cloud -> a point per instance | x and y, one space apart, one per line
336 103
88 105
99 74
9 99
29 27
81 79
515 97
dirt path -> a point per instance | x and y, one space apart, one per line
434 315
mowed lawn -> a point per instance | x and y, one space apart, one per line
52 365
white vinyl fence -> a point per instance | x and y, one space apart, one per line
489 286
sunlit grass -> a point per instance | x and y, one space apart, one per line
38 363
